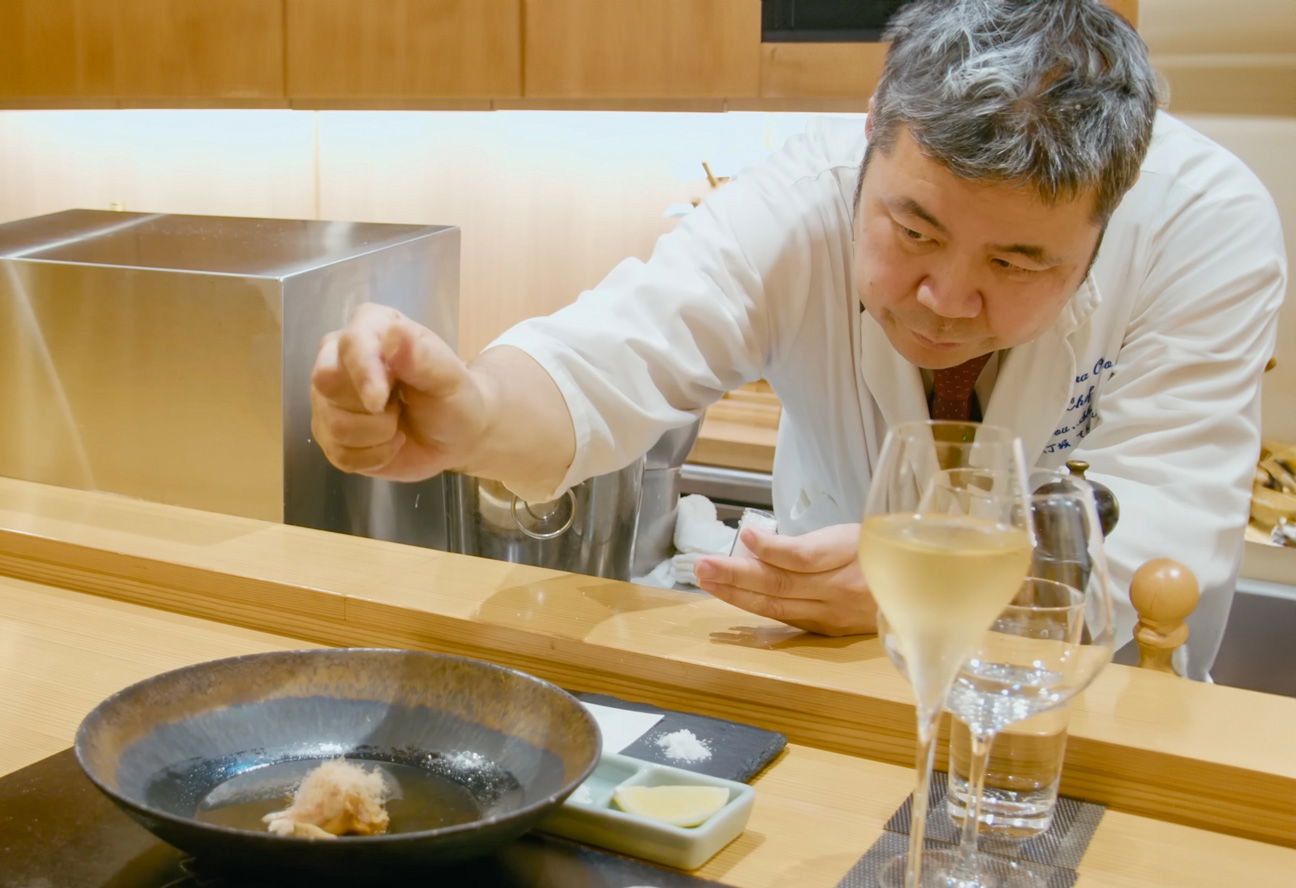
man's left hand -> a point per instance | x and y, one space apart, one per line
812 582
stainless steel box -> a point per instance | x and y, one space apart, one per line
168 357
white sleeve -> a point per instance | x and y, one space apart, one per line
1180 425
656 342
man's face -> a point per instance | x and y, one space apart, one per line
952 268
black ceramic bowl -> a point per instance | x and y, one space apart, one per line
479 753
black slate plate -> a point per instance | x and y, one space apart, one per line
57 829
738 751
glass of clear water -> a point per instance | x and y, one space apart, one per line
1045 647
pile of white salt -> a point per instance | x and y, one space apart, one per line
684 746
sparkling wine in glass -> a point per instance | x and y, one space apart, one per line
944 545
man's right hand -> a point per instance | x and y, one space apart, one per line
391 399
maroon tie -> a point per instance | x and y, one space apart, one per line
952 389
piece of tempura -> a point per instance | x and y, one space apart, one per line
336 798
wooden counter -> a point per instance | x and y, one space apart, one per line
740 430
1156 749
816 811
734 444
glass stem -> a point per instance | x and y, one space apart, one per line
965 863
928 723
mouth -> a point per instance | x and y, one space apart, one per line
936 344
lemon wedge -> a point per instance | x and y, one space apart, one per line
679 805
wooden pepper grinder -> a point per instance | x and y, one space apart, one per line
1164 593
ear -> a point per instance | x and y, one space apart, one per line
868 121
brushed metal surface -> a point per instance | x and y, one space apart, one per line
168 357
617 525
590 529
659 500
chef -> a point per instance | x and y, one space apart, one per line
1013 216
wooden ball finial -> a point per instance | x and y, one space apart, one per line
1164 593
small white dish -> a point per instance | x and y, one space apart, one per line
589 815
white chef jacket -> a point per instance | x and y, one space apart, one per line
1151 372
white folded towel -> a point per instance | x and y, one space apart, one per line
698 530
662 576
682 566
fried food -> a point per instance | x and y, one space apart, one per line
336 798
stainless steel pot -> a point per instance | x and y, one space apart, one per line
659 503
617 525
590 529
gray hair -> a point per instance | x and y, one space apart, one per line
1057 95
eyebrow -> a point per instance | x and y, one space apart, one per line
1030 251
913 208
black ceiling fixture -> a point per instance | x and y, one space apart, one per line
825 21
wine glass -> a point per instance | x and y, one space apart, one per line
944 544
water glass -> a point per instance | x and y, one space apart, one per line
1022 778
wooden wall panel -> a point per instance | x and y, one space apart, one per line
820 70
403 49
55 48
632 48
416 53
231 49
1127 8
105 52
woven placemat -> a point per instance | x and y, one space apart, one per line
1049 859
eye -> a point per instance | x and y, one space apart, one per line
1012 267
912 236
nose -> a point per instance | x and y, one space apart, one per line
949 299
